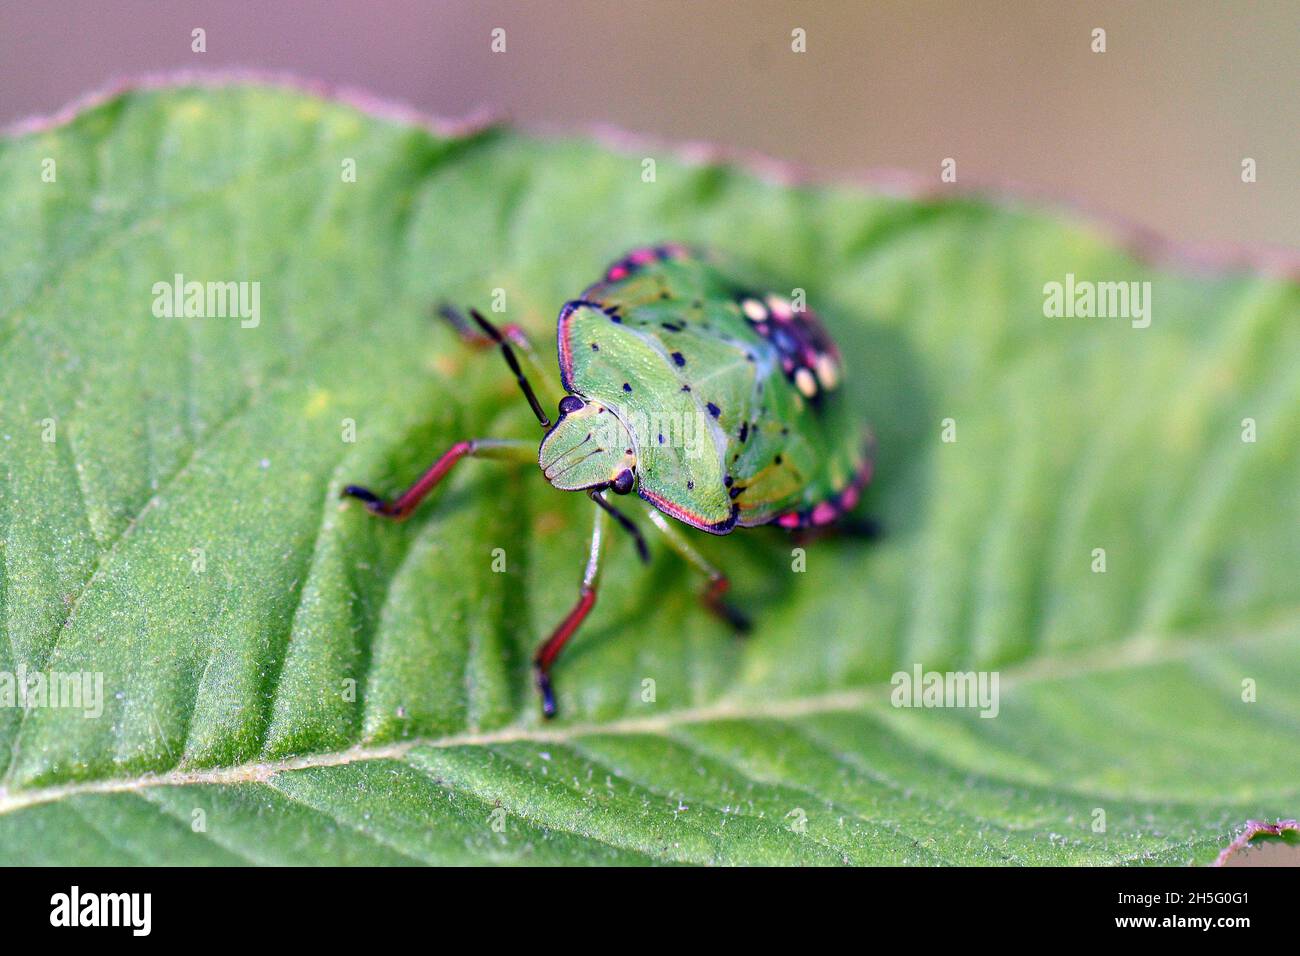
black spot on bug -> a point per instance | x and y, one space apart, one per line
665 294
679 358
627 387
686 388
661 439
777 460
672 327
749 357
735 492
627 451
714 410
595 347
690 486
785 430
744 430
728 481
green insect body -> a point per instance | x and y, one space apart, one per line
718 402
744 387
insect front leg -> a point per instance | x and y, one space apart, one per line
550 649
719 583
476 338
398 508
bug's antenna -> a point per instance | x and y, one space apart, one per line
511 360
641 549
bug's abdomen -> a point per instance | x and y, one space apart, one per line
803 458
804 350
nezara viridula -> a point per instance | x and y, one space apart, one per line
717 402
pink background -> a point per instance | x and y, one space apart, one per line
1154 130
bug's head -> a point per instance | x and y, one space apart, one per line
589 447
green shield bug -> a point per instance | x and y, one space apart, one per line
716 402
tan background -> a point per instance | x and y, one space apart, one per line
1154 130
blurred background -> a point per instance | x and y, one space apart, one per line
1154 130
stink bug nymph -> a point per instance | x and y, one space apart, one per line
716 402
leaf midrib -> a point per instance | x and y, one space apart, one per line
1139 651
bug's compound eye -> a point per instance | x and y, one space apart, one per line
622 484
570 404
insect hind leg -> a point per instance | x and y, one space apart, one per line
713 596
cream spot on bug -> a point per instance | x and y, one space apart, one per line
754 310
827 373
804 381
780 307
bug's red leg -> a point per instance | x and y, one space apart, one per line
719 583
550 649
402 506
712 597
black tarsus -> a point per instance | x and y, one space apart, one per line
547 692
623 520
867 529
365 494
737 618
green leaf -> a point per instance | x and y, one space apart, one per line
182 534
